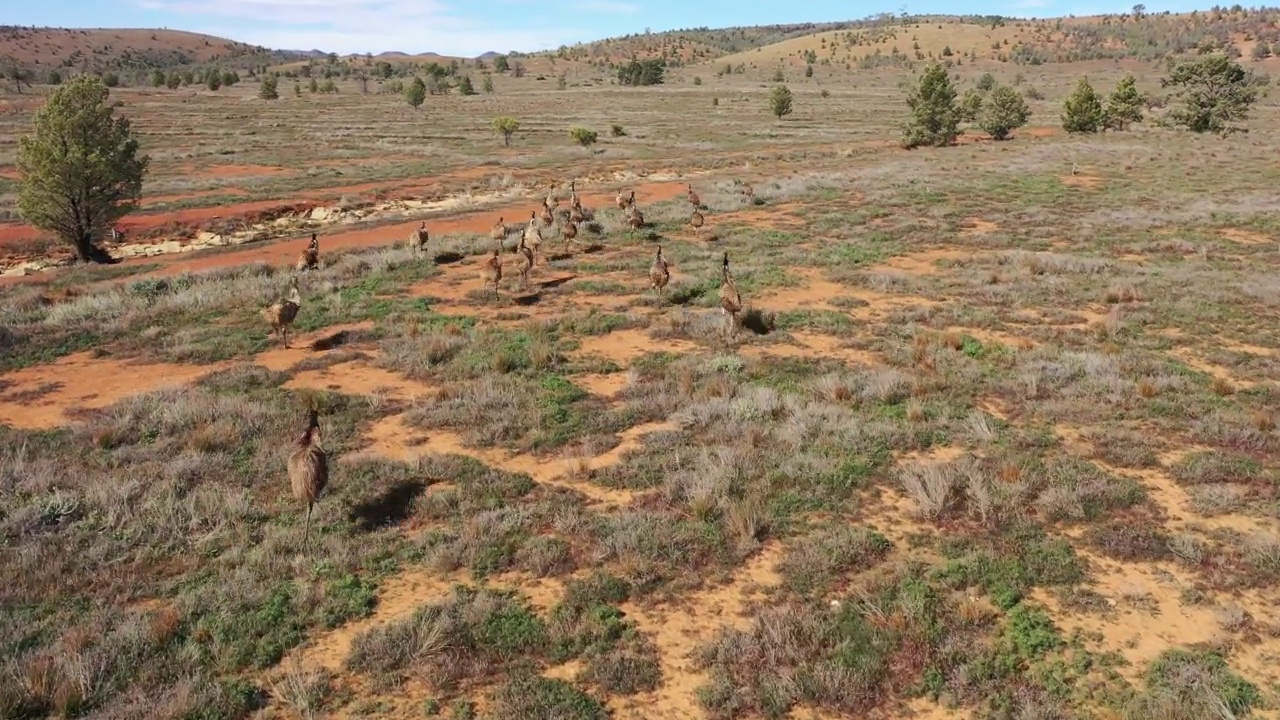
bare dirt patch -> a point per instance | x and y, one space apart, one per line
924 263
1146 616
1188 357
978 226
81 382
997 337
679 630
358 378
624 346
1246 237
392 438
305 346
473 222
603 384
1081 181
811 345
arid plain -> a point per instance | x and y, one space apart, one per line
995 438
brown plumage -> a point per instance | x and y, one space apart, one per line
491 270
310 258
748 191
659 275
576 215
533 234
526 263
308 469
499 231
634 218
569 231
622 201
551 201
282 312
694 200
548 218
575 202
730 298
697 221
418 240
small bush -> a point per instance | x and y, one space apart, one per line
1211 466
583 136
532 697
813 563
1129 541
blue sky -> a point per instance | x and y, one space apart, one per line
461 27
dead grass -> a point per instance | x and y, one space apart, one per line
964 435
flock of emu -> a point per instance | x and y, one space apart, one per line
308 464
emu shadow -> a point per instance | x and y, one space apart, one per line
526 300
686 295
392 507
448 258
593 248
334 340
760 322
554 282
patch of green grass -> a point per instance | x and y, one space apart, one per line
528 695
829 322
1009 566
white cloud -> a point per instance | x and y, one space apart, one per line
358 26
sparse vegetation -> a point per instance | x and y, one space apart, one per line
988 432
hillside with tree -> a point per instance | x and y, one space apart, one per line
37 55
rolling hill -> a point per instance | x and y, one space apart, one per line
1251 34
886 39
43 50
881 40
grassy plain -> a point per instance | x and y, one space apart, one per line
1008 449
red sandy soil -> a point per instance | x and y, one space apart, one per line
175 222
476 222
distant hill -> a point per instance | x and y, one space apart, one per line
883 40
1248 33
42 50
